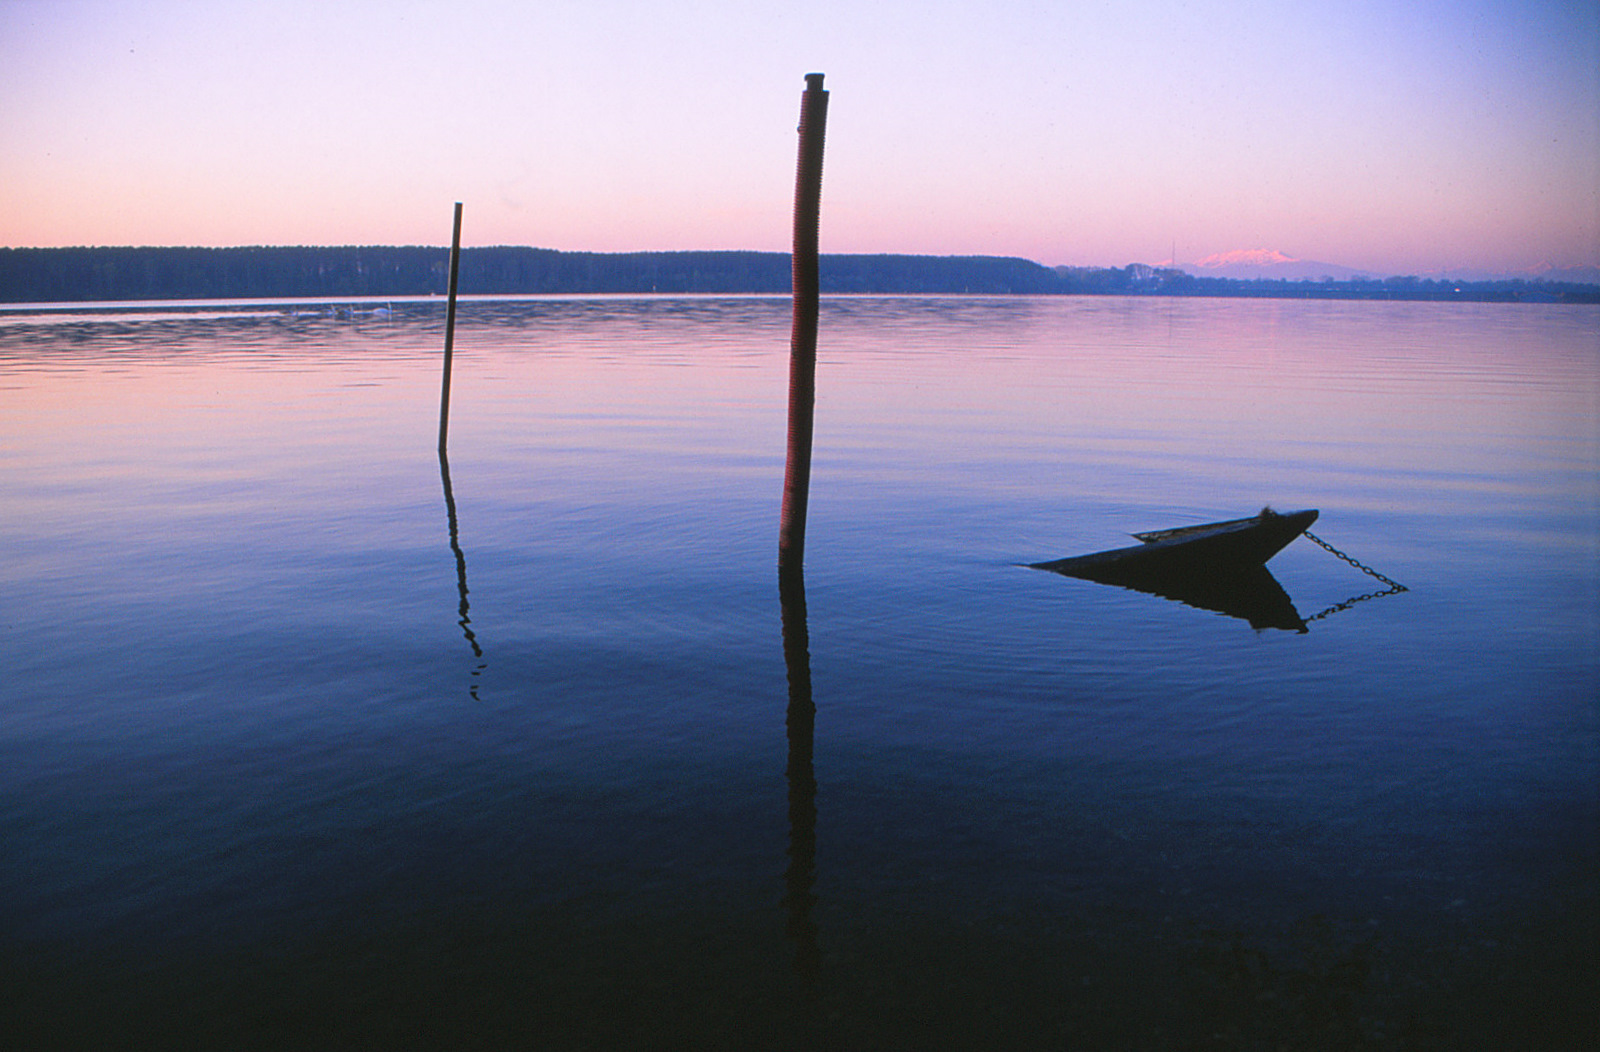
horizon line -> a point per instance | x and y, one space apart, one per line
1524 273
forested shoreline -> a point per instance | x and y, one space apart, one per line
53 275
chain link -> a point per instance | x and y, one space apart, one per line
1394 586
1353 600
1369 571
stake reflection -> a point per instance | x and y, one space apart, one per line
801 876
461 567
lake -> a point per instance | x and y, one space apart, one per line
309 738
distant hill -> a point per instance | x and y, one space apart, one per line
54 275
1544 274
1265 264
1569 275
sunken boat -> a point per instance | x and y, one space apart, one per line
1218 566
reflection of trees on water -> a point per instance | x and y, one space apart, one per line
801 876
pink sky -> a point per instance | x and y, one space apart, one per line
1385 135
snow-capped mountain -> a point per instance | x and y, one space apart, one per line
1255 264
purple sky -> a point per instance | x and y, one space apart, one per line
1398 136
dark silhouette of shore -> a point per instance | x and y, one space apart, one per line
55 275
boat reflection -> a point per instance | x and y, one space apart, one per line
1249 593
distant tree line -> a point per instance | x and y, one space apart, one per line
33 275
43 275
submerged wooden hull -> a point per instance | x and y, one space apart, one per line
1213 548
1219 566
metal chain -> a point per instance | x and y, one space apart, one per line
1353 600
1394 586
1369 571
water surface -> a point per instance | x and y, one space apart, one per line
296 751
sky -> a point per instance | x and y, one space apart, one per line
1396 136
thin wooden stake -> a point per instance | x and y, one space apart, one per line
449 331
803 336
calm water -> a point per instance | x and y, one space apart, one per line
307 743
